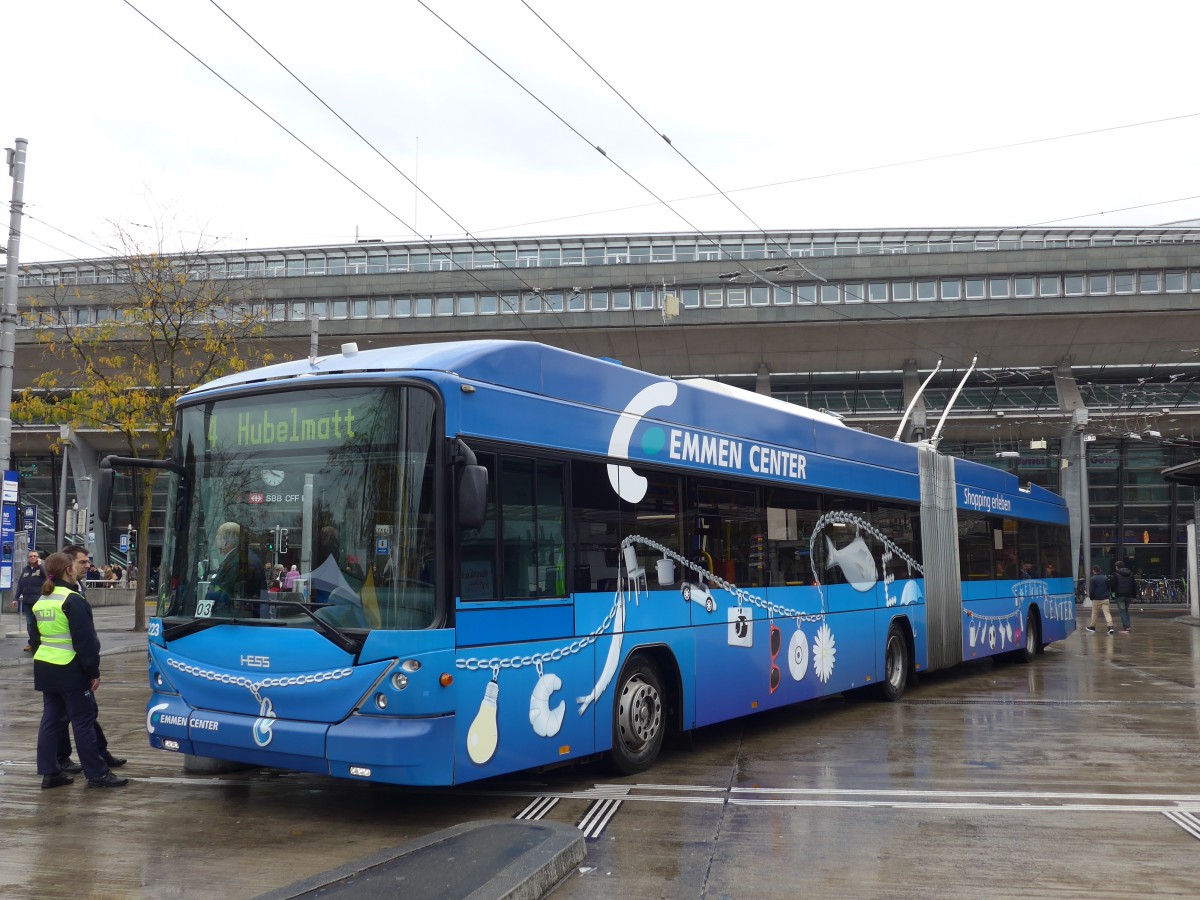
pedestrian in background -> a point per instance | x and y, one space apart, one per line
1125 590
66 669
1098 591
29 590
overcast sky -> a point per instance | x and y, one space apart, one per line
776 102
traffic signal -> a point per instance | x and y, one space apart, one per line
283 540
132 542
270 539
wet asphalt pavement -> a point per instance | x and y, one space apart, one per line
1075 776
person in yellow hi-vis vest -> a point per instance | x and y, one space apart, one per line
66 669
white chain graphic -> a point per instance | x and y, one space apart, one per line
849 518
496 663
743 597
255 686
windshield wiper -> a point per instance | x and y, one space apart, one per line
337 637
174 632
332 632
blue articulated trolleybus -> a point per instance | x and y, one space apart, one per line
509 555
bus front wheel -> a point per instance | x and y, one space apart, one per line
639 720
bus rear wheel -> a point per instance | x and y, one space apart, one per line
895 666
1032 645
639 720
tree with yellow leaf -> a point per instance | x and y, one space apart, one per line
162 326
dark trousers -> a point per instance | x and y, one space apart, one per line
64 743
78 707
1123 609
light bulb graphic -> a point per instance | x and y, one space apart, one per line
483 735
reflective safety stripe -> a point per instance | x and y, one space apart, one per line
54 628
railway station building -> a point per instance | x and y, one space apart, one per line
1069 356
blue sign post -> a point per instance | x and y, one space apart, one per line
29 523
8 528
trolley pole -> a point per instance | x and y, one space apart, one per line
8 313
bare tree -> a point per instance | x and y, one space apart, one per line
161 323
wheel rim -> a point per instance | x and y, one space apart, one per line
640 715
895 662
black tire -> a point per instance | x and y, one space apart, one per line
1032 644
639 717
895 666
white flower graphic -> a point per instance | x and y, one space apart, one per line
823 652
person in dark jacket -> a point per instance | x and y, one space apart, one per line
81 563
29 589
1098 591
66 670
1125 591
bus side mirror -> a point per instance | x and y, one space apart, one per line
472 496
105 493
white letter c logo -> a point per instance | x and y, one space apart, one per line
629 485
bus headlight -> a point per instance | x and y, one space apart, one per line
381 700
399 681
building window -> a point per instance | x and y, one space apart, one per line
806 293
1099 284
1048 286
466 305
320 309
362 307
577 302
760 295
735 296
572 256
691 298
554 302
598 302
951 289
403 307
784 296
1149 282
278 312
854 292
423 307
1123 283
901 291
1024 286
295 266
383 307
1072 285
877 292
644 299
341 309
999 288
489 304
831 293
1175 282
298 310
509 304
926 289
974 289
712 296
622 300
444 306
531 302
551 256
1196 280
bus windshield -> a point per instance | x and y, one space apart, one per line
306 508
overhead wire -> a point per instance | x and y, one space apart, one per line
858 171
735 261
347 178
